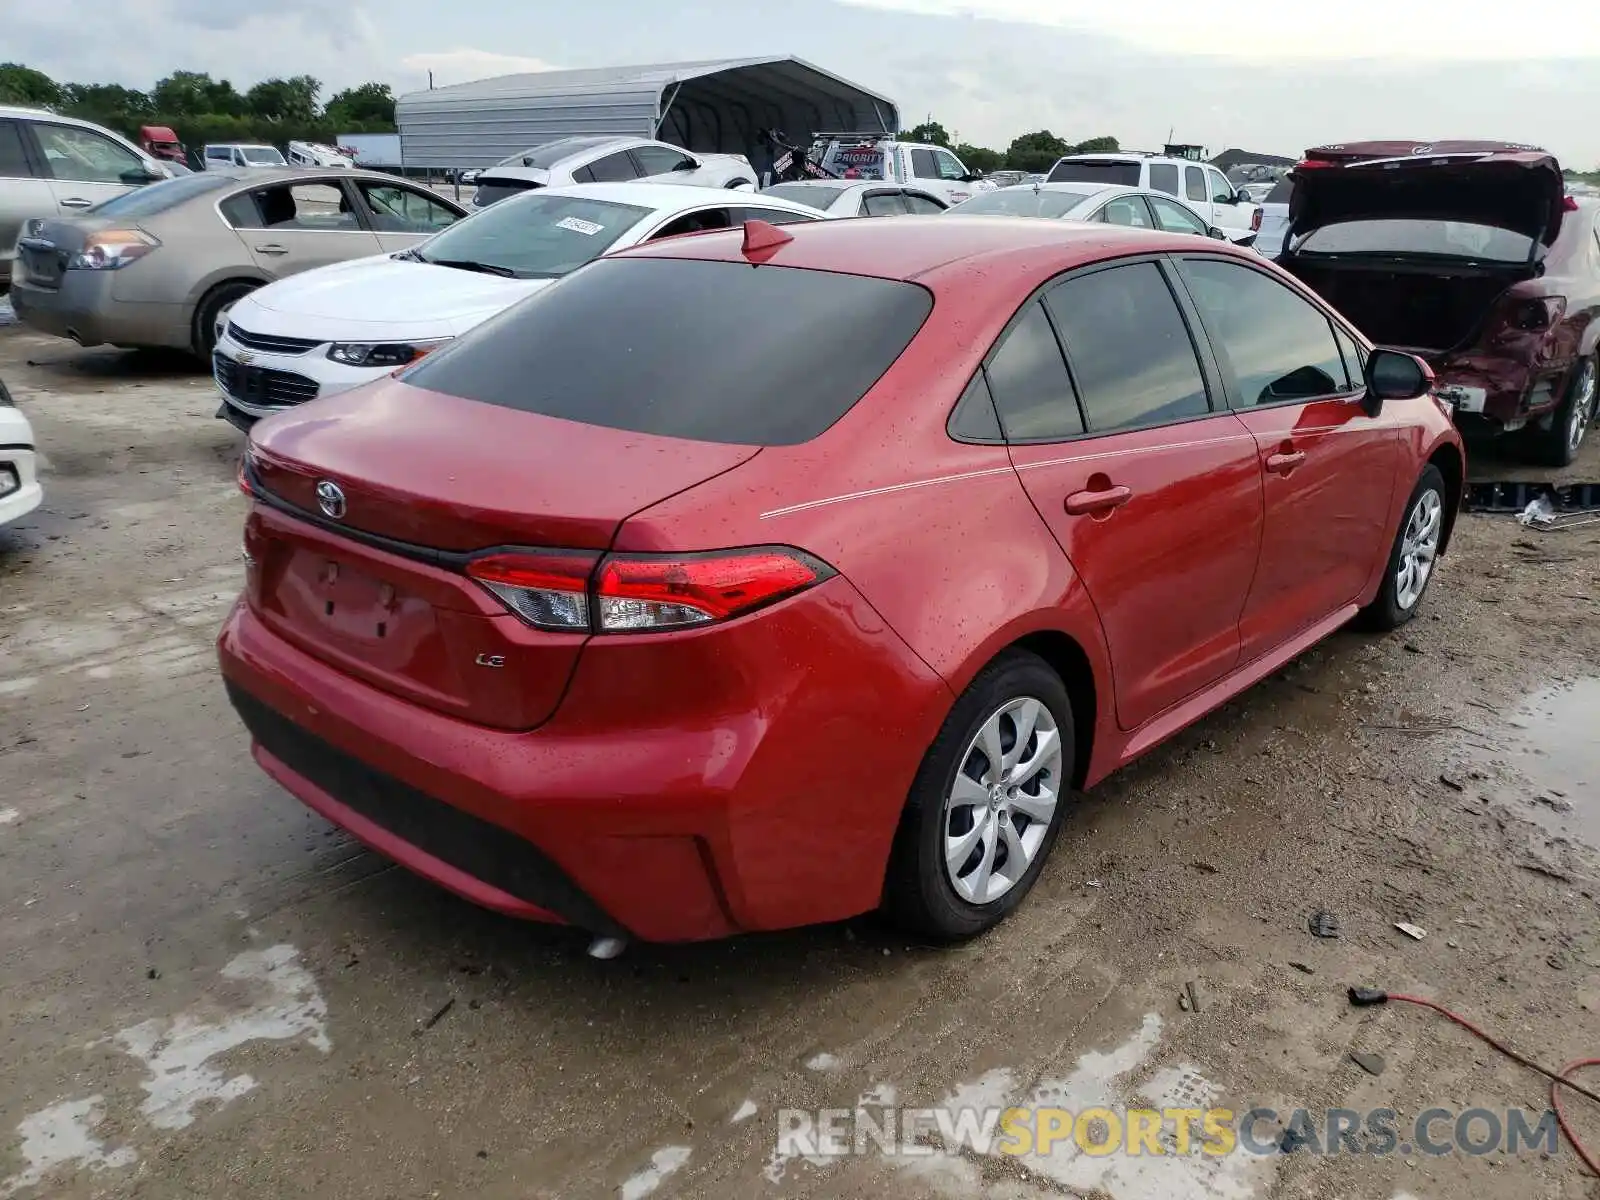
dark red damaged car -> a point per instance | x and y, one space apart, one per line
1470 255
731 584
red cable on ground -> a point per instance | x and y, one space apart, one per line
1558 1079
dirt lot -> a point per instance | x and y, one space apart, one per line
206 991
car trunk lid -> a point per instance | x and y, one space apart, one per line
46 246
1518 188
370 577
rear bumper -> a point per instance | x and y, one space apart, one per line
664 800
1495 393
83 309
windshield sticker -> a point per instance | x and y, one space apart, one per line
579 225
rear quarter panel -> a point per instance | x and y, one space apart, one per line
198 251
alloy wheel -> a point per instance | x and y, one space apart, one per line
1582 414
1418 549
1004 797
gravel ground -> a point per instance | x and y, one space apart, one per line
207 991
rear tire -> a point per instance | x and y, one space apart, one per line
212 306
1558 446
1415 552
972 841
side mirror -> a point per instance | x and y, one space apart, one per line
139 176
1217 233
1242 197
1395 375
971 177
687 164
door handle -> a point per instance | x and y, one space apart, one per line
272 248
1083 503
1285 461
77 202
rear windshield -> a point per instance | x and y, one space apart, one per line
537 237
549 154
1022 201
764 356
812 195
1070 170
495 189
1446 239
158 197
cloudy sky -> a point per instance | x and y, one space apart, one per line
1270 77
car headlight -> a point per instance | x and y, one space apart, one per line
112 249
382 354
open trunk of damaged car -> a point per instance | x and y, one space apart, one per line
1423 247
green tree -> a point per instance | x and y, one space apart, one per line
106 103
25 86
369 104
930 133
196 94
284 100
1097 145
1036 151
980 158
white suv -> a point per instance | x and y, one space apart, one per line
1204 188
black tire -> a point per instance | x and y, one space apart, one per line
1388 611
918 893
1555 447
203 337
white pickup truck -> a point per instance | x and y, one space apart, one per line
863 156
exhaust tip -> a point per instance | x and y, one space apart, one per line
607 947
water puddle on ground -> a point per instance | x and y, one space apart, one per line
1546 759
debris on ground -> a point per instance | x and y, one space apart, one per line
1411 931
1194 996
1183 1001
1303 969
1539 511
1372 1064
438 1015
1324 925
1455 785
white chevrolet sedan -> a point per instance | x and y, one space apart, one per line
19 488
335 328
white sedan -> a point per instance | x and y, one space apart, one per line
1112 205
335 328
20 493
859 198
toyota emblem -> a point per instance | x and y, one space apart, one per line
330 498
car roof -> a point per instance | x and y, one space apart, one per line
1024 250
667 197
240 145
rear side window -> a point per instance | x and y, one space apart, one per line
1070 170
153 198
764 356
772 216
1126 210
1029 382
614 168
1279 347
1164 178
1131 354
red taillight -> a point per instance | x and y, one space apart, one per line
1569 204
1255 220
567 590
242 477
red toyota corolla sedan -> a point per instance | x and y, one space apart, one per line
738 583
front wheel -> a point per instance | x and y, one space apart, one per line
986 805
1414 556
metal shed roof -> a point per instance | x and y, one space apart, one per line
714 106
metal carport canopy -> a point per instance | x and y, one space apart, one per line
716 106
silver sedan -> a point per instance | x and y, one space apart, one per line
1139 208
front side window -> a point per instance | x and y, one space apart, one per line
219 154
1130 350
704 221
1278 346
1028 379
1194 184
83 156
1125 210
662 160
1175 218
538 236
740 364
1222 192
398 209
924 165
1164 178
950 166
